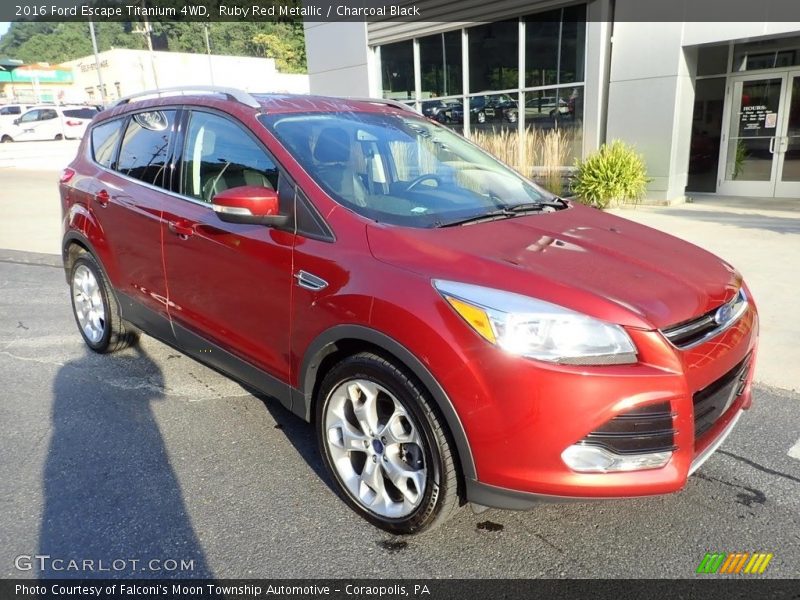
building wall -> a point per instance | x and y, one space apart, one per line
339 59
127 72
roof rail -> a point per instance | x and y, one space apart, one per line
386 101
233 93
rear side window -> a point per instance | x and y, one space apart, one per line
104 142
48 114
146 146
218 154
80 113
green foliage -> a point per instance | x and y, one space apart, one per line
616 173
60 42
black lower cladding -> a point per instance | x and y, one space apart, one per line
639 431
715 399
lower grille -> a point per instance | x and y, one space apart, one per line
638 431
712 401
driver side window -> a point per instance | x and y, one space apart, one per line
218 155
30 116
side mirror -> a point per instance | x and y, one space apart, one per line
249 204
16 121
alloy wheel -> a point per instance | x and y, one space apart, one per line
375 448
88 303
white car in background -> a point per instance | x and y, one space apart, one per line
49 123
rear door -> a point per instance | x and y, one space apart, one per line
228 283
128 198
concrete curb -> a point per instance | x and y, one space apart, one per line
37 259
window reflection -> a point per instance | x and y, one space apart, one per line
397 70
440 64
493 56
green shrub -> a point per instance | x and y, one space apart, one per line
614 174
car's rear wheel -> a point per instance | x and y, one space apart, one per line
385 446
6 139
481 117
96 310
59 137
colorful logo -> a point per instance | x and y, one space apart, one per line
734 563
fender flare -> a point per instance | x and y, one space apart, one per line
325 344
82 240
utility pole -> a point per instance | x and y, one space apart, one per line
208 51
97 63
147 31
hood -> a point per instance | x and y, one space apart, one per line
581 258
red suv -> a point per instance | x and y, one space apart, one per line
454 332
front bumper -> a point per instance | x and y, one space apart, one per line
517 438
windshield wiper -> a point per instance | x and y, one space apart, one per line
507 212
555 202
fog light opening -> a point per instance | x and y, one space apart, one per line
594 459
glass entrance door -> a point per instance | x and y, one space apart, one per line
749 164
760 154
788 145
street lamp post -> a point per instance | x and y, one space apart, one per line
97 63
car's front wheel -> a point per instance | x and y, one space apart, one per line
385 446
95 308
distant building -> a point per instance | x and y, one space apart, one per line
36 83
125 72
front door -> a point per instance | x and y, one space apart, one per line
228 283
760 153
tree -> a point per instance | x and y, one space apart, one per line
60 42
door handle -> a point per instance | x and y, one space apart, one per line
183 229
310 281
772 145
103 198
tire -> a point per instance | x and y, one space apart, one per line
481 117
58 137
95 308
405 442
6 139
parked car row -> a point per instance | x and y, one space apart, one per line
19 122
497 107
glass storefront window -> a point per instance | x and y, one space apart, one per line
440 64
712 60
541 48
766 54
573 44
554 125
493 56
397 70
554 61
555 43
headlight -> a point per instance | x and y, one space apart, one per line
537 329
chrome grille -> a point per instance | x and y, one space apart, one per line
696 331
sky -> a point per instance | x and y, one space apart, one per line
4 27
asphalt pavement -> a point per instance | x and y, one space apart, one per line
148 455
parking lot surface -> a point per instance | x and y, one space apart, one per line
148 455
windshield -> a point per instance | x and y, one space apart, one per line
401 169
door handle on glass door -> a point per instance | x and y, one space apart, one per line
772 145
182 229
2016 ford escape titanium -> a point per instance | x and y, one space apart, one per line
454 332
